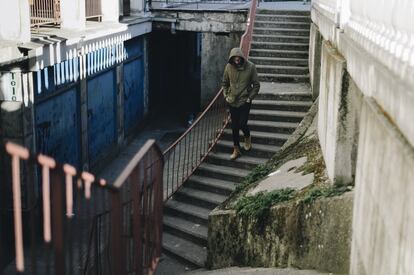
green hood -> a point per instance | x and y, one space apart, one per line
236 52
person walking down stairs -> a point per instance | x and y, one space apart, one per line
240 85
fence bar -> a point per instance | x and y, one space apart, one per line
58 221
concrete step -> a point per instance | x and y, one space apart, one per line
278 53
283 18
186 211
280 31
272 126
283 12
289 70
194 232
279 61
211 184
296 106
183 250
258 150
221 172
245 162
284 78
270 115
277 24
280 46
281 38
286 96
261 137
199 198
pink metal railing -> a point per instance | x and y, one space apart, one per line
187 153
93 9
90 225
44 12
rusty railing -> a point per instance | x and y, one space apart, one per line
93 9
187 153
246 38
89 226
44 12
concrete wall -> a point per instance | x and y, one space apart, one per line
215 51
315 48
296 234
383 218
14 20
377 87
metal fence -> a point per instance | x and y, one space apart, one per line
89 226
189 151
44 12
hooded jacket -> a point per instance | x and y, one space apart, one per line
239 83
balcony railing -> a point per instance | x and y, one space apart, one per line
44 12
93 9
184 156
90 226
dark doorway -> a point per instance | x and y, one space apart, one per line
174 74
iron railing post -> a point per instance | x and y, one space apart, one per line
117 248
57 202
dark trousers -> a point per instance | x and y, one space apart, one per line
239 117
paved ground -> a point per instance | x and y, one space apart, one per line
256 271
286 5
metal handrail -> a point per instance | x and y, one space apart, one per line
110 217
187 153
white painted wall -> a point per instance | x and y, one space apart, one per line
110 10
72 14
15 20
376 39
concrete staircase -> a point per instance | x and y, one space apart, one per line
280 51
280 45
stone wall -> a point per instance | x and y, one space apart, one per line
215 51
306 236
377 149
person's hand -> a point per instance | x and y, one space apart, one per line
248 100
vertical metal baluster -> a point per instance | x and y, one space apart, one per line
16 153
116 231
172 170
47 164
136 198
179 162
145 209
56 178
185 153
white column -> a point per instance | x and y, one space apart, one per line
110 10
72 14
15 20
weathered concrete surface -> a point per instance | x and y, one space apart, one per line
254 271
315 48
383 224
215 49
285 177
309 236
205 21
339 102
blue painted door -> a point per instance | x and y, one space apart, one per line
58 127
101 114
133 93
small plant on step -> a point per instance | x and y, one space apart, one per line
325 192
